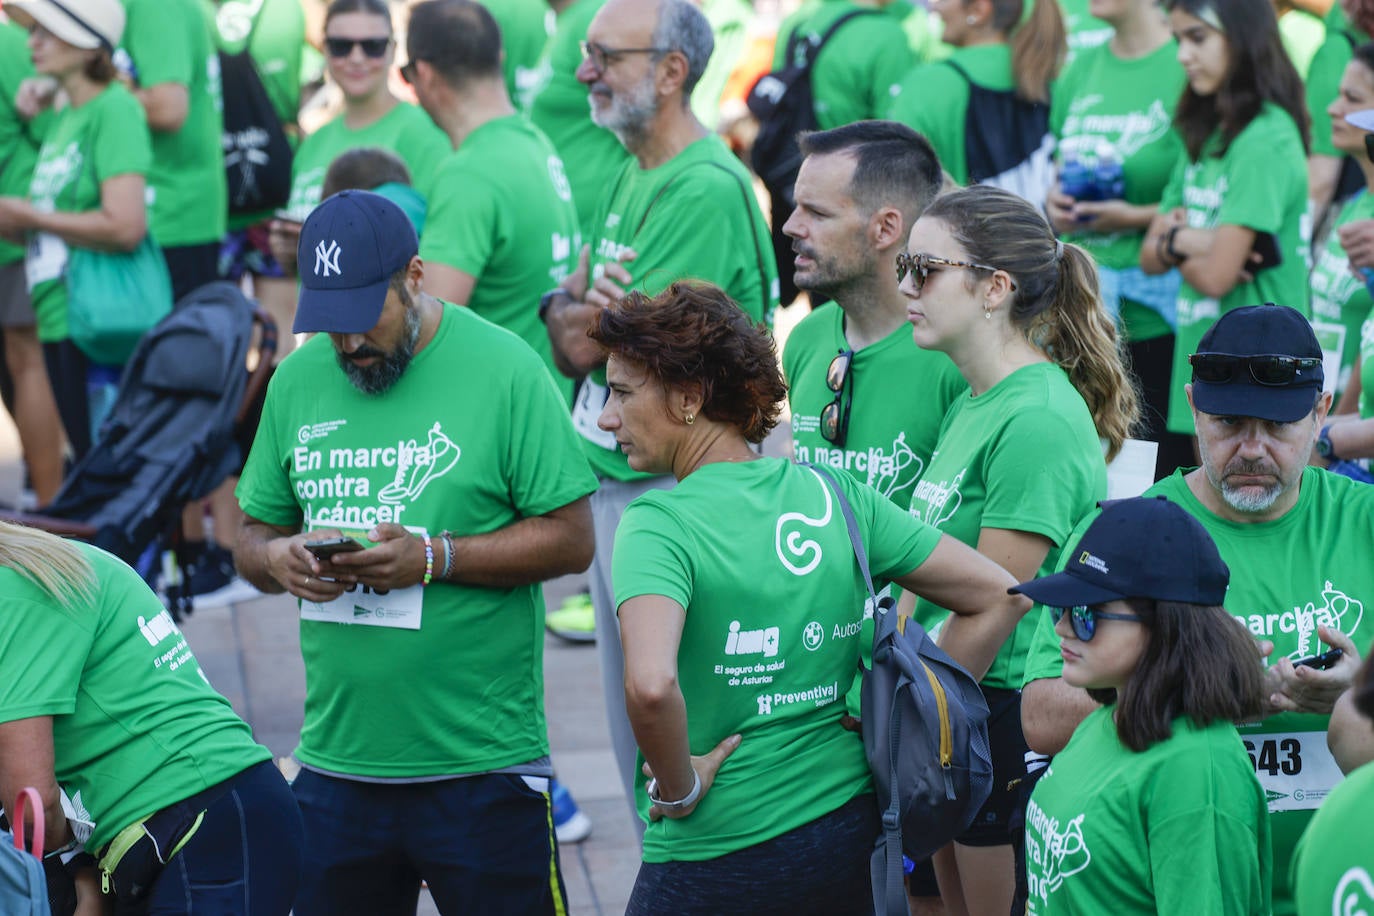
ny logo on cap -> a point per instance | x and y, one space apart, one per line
327 259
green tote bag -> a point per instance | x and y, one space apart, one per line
114 298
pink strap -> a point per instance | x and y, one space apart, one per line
35 801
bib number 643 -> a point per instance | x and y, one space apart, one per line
1275 756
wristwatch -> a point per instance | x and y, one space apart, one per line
1324 447
686 801
546 301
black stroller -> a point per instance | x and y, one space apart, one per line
170 437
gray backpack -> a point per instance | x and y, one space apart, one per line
925 733
23 884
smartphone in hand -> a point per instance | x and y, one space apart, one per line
1267 247
1321 662
324 550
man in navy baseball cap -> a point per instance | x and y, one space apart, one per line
351 247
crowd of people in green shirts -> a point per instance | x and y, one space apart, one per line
1206 155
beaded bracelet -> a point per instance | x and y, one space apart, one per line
449 554
429 559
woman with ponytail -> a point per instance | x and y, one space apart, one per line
986 108
1232 218
1020 457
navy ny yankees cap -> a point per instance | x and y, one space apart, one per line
351 245
1137 548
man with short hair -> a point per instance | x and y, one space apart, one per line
864 397
433 439
1297 540
682 208
501 227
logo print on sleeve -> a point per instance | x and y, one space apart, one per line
942 499
806 552
327 259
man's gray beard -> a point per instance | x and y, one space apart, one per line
630 114
377 378
1246 500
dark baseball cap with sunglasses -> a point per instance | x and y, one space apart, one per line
1258 361
1146 547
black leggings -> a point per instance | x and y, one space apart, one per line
819 868
67 367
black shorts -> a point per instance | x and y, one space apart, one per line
996 819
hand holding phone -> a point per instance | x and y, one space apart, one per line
1322 662
1265 253
324 550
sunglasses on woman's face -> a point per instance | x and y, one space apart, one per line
1084 619
374 48
921 266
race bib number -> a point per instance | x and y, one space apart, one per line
591 398
1295 769
396 608
45 259
399 609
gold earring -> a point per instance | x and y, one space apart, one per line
690 418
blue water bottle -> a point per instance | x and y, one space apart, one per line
1076 179
1108 177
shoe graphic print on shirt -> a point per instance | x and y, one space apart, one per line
788 539
417 467
941 499
887 471
1052 854
1336 610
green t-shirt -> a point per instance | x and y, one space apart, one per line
1367 367
730 20
501 211
524 28
860 68
1324 75
85 146
277 47
890 439
923 29
1103 105
19 139
404 130
125 744
1083 31
1302 34
1333 872
1177 828
1023 456
1309 568
464 693
1340 300
771 639
172 41
657 213
933 99
591 154
1260 183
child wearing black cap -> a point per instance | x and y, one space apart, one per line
1153 807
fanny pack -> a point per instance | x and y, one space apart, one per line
134 859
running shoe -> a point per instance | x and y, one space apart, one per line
574 620
570 825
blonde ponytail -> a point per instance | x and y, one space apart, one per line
49 562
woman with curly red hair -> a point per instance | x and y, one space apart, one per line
741 637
